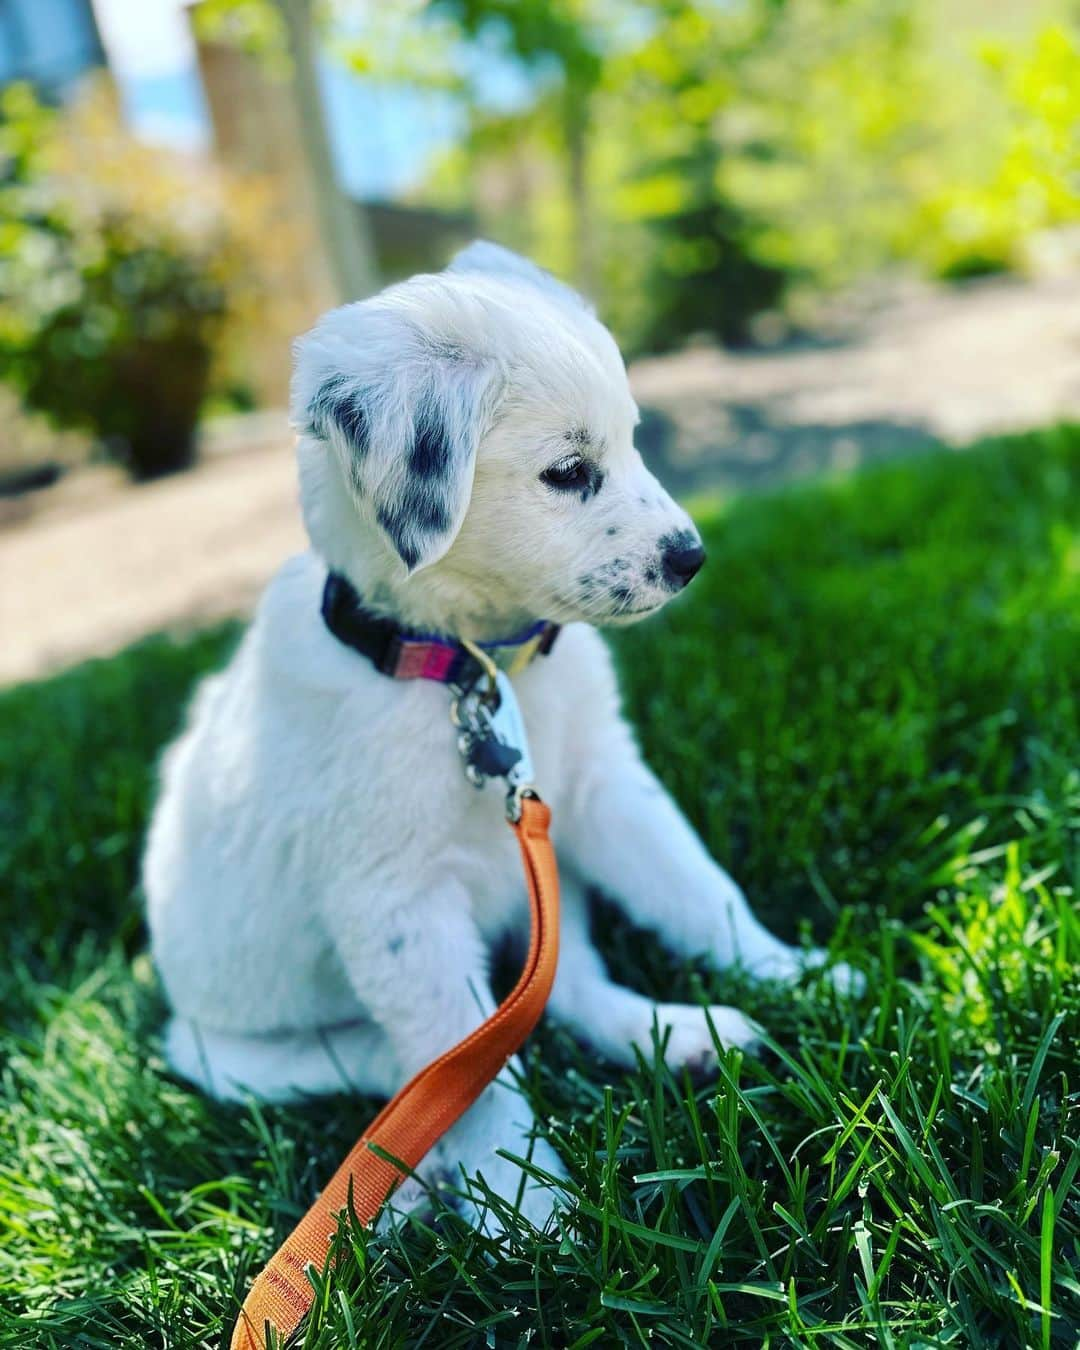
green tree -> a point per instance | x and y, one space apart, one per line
974 222
551 37
705 271
634 118
109 306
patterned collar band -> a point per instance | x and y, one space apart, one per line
406 655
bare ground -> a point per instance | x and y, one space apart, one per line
92 563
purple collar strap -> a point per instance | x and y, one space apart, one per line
406 655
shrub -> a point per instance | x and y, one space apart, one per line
745 157
110 300
979 224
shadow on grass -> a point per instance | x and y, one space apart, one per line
740 447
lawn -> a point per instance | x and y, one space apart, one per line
868 705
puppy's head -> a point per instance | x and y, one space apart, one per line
466 446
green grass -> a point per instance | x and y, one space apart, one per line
868 705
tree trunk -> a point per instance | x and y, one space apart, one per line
345 236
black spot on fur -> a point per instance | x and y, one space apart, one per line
580 438
392 524
335 404
652 574
612 531
420 511
431 452
622 595
423 506
588 586
395 945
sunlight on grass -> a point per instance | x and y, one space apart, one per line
1010 943
867 704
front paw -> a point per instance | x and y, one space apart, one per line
431 1188
790 964
844 979
496 1186
472 1175
688 1042
482 1190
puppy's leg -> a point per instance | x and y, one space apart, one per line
627 836
615 1019
355 1057
420 969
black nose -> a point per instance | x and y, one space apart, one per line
682 559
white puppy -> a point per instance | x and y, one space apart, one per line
324 886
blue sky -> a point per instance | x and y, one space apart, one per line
382 137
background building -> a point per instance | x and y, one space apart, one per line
51 43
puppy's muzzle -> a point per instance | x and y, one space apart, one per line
682 559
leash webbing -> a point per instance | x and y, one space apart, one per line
425 1108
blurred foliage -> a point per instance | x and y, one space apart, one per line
741 156
702 264
253 25
133 282
110 306
693 164
984 223
554 39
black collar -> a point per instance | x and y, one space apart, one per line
405 654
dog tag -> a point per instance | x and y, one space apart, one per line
493 741
508 727
490 758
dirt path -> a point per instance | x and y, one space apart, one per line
933 365
78 583
87 567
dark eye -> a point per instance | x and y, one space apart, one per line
568 472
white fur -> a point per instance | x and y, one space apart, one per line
324 887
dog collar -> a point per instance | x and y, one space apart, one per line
407 655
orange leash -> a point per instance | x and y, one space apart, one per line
421 1113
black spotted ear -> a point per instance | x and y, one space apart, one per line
421 507
406 430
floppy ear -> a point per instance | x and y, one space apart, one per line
483 256
405 413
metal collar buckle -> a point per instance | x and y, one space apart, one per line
491 732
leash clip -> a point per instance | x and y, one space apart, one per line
492 739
